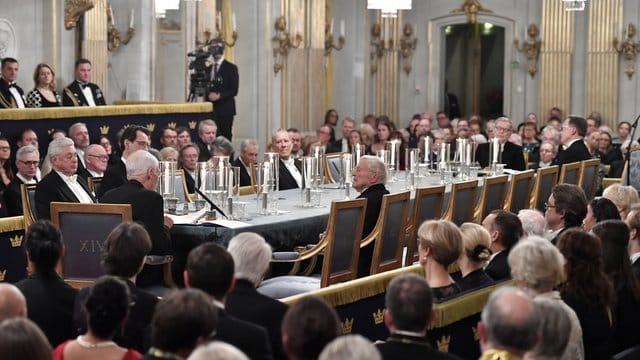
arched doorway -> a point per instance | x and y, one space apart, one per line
474 62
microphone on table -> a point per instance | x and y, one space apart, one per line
211 204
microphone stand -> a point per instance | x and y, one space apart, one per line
212 206
634 126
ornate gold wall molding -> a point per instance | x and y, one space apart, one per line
73 9
555 57
94 43
602 59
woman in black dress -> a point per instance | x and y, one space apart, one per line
44 94
439 245
475 255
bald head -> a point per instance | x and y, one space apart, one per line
12 302
509 321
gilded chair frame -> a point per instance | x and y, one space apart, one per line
92 181
455 188
27 206
513 186
327 169
566 168
593 182
416 218
488 190
180 173
377 235
537 200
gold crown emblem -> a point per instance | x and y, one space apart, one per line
50 131
104 130
171 125
443 343
475 333
347 325
192 125
16 241
378 316
3 273
150 127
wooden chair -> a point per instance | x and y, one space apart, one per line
570 173
29 211
333 167
247 190
493 195
94 184
462 202
341 246
180 186
546 179
84 228
427 204
589 177
520 191
389 233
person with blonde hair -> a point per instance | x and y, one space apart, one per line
623 196
537 267
44 94
439 245
476 243
217 350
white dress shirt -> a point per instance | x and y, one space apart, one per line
77 189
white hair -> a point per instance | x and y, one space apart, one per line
350 347
56 145
139 163
376 166
217 350
533 222
251 255
27 149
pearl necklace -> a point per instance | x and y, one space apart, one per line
87 345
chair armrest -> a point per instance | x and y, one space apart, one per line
285 255
158 259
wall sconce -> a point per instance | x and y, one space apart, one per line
628 49
113 35
328 38
73 10
284 43
380 45
219 34
407 45
530 48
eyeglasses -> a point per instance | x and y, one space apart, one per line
547 206
101 157
502 129
30 163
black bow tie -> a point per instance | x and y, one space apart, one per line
12 85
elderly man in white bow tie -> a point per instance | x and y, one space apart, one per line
62 183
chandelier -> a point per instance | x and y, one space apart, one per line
389 8
574 5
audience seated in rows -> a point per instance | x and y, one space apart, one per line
533 222
574 129
124 254
505 229
566 208
210 268
106 308
27 160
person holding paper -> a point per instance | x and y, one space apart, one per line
510 154
82 92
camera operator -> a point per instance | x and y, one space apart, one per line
223 88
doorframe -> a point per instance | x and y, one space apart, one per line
436 41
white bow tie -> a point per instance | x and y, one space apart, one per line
73 178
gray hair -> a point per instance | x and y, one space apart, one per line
204 123
167 151
349 119
511 319
56 145
537 263
350 347
222 144
555 329
139 163
556 133
251 255
505 119
89 149
74 126
27 149
533 222
376 166
554 147
246 143
217 350
280 131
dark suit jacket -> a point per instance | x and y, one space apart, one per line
498 269
72 95
191 182
49 305
137 330
374 195
147 209
226 84
576 152
249 338
335 146
245 177
247 304
13 197
53 188
6 99
205 153
286 180
406 347
635 266
82 170
114 176
512 156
